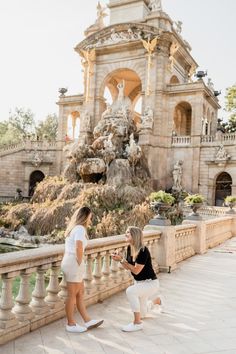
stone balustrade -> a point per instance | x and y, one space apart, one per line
28 311
218 230
206 140
30 145
213 211
181 140
104 277
184 242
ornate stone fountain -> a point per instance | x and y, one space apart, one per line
114 153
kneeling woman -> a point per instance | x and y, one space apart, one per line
146 285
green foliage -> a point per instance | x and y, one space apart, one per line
162 196
47 129
230 199
230 107
21 124
194 198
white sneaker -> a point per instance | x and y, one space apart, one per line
151 306
93 323
76 328
132 327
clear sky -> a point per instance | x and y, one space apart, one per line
38 37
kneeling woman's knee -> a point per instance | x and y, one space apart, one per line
130 291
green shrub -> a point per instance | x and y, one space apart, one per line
162 196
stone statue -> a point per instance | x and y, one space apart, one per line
123 103
100 15
222 154
147 118
177 175
155 5
173 49
86 122
107 112
178 25
210 84
133 151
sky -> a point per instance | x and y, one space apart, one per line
37 39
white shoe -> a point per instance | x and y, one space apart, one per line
151 306
76 328
93 323
132 327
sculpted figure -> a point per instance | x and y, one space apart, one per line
155 5
178 25
177 175
222 153
147 118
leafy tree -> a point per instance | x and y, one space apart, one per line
230 107
47 129
22 121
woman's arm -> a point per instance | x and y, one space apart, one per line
79 251
135 269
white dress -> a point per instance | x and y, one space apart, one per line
74 272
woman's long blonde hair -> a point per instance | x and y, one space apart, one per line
137 237
80 217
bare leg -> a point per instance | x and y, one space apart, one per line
137 317
70 303
80 303
157 301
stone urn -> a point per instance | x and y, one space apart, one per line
194 215
160 219
231 205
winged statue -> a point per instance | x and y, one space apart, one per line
150 45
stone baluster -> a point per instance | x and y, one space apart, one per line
97 273
52 298
63 286
114 271
106 269
153 251
88 277
7 317
38 304
123 275
22 309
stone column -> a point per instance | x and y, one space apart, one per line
200 235
166 247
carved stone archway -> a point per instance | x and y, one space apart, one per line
223 188
35 178
183 119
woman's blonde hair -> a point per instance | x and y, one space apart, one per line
80 217
137 237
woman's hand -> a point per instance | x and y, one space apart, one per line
116 256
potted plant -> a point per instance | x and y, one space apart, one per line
195 202
230 201
161 201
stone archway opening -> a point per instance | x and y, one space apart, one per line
133 88
35 178
174 80
73 125
183 119
223 188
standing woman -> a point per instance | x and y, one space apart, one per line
146 285
73 268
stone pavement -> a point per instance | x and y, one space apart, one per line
199 316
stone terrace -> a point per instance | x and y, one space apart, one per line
199 316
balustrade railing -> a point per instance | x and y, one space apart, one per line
30 310
184 242
218 230
181 140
